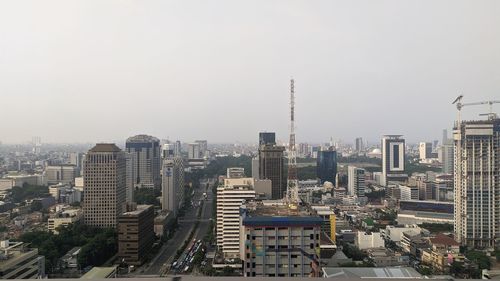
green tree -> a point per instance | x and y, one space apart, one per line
36 206
479 258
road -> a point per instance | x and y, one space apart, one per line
186 225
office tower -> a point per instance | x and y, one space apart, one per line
425 150
360 146
147 162
194 151
276 241
129 172
230 196
37 145
356 181
172 184
76 159
326 165
393 159
136 234
65 174
477 185
408 192
271 167
104 178
203 144
235 173
255 168
447 154
267 138
178 149
167 150
18 261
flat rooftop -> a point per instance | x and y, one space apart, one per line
140 209
279 214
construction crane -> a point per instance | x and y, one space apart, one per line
460 105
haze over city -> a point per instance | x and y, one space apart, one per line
90 71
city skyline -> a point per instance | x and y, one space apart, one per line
357 68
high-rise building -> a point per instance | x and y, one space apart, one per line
230 196
255 168
360 145
76 159
203 148
326 165
271 167
136 234
178 149
447 153
356 181
194 151
425 150
393 159
276 241
129 171
172 184
104 178
267 138
65 174
477 184
147 162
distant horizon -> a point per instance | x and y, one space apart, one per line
192 68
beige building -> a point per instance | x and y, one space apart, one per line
230 196
61 174
104 181
19 262
64 218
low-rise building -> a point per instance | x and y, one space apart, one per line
64 218
395 232
382 257
369 240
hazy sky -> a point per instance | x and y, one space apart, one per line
78 71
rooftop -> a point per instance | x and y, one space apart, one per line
278 214
140 209
442 239
105 147
142 138
371 272
99 273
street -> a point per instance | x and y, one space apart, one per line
162 261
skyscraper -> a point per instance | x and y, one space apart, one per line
425 150
267 138
172 191
147 163
356 181
230 196
326 165
477 185
194 151
360 146
203 148
104 180
271 166
447 154
393 159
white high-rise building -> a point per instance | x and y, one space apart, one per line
230 197
129 164
255 168
425 150
356 181
477 183
172 184
147 160
393 159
